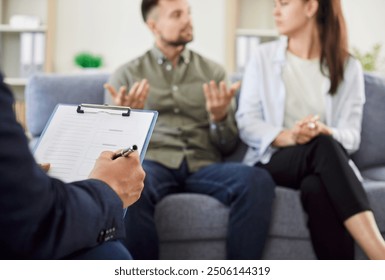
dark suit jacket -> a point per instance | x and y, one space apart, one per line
42 217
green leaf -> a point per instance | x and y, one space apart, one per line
88 60
369 60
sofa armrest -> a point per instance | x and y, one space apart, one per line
44 92
372 144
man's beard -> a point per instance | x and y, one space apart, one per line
177 43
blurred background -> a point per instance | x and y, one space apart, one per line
72 36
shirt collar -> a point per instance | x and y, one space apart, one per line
161 59
280 55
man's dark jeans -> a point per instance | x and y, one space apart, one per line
248 191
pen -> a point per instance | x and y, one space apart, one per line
125 152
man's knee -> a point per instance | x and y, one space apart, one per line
257 180
265 182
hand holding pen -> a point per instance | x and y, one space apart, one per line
125 175
125 152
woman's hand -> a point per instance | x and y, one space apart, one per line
285 138
303 132
308 128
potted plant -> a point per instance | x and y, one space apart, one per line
369 60
88 60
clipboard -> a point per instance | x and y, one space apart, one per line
75 136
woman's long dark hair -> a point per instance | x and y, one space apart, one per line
334 41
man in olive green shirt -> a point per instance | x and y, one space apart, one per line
195 128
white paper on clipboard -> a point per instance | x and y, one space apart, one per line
72 141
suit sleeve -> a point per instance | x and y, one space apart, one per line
41 217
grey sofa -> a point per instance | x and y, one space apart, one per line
193 226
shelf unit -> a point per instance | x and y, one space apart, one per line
250 19
10 29
10 43
257 32
17 82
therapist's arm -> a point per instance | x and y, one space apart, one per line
43 217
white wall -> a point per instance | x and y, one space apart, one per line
366 20
115 30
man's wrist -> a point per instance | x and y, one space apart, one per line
217 118
220 125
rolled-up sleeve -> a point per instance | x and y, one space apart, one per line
253 127
224 134
347 114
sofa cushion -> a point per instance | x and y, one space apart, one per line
374 173
371 152
189 216
289 219
188 223
44 92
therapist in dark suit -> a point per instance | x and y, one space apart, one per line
44 218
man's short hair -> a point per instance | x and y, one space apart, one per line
147 6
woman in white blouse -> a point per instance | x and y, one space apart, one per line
300 113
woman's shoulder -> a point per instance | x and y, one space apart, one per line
353 66
272 49
353 62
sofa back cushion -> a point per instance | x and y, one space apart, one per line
372 148
44 92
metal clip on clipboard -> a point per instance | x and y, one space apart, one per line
105 106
